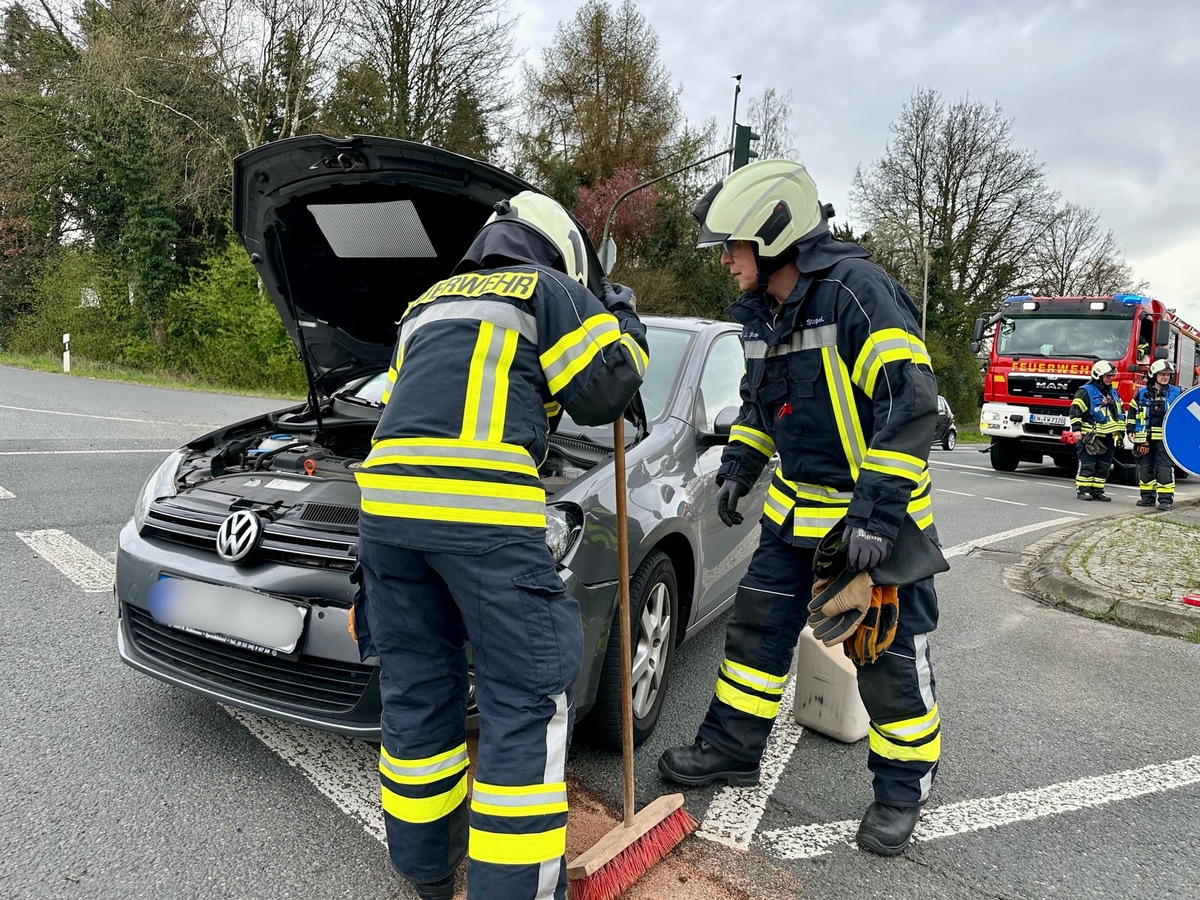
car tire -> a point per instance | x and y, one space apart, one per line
950 439
1005 454
654 611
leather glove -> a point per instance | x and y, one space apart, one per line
1095 445
864 549
1141 449
730 493
835 612
877 629
617 297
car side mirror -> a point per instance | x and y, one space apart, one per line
722 425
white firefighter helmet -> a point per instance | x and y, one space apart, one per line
1161 365
772 203
547 217
1101 368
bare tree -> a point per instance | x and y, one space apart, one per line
429 68
1076 258
770 117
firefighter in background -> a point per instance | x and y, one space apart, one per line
1097 423
452 547
1147 410
837 382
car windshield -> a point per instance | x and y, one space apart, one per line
668 350
1073 336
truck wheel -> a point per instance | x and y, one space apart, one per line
1005 454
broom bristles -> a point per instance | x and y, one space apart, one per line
618 874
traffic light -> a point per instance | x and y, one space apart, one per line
742 154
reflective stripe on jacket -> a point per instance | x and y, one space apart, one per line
1148 409
838 382
1097 412
483 361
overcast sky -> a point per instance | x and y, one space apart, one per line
1106 93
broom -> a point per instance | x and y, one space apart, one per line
617 860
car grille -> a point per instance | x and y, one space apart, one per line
316 685
282 543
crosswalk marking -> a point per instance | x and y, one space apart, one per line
6 495
88 569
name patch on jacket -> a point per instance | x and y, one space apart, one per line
518 285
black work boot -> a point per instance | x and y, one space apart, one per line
1147 500
1100 495
435 890
701 763
1164 503
885 829
1083 495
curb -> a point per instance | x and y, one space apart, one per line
1042 576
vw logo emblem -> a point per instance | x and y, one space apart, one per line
238 536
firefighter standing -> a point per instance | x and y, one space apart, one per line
1147 410
452 547
838 383
1097 423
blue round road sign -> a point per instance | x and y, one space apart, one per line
1181 431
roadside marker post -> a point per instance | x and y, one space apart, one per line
67 352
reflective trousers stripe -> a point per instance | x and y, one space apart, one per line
424 809
747 703
517 849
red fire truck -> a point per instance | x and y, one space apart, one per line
1042 351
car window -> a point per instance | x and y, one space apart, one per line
720 380
668 350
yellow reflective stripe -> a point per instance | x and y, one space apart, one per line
552 408
460 461
903 752
424 809
919 353
753 678
759 440
922 483
880 348
499 404
890 462
517 849
640 359
747 703
451 452
919 504
845 413
572 353
915 728
777 505
423 771
520 492
454 514
483 341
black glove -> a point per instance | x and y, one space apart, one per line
864 549
617 297
727 499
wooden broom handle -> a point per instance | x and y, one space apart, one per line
623 615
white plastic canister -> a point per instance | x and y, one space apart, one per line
827 691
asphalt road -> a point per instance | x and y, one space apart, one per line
1071 752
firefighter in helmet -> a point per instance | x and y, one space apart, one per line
838 383
452 546
1147 410
1097 423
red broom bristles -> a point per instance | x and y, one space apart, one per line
618 874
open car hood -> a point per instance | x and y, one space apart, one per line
346 233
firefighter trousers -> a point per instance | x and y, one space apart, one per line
898 689
1093 467
1156 472
526 641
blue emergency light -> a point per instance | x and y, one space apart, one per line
1134 299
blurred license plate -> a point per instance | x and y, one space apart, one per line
228 614
1042 419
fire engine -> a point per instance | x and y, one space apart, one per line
1042 351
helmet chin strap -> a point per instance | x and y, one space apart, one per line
770 265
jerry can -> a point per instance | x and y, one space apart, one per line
827 691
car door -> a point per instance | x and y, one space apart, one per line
724 552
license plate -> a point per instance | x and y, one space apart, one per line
1041 419
227 614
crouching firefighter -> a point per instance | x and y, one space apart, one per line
1097 423
452 548
838 383
1147 411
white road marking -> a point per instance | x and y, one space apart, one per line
967 546
966 816
1067 511
88 569
734 813
1057 484
1010 502
345 770
959 493
78 452
6 495
939 462
1008 478
57 412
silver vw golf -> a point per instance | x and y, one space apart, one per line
233 575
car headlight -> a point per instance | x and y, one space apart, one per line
159 484
564 525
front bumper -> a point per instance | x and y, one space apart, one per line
1003 420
